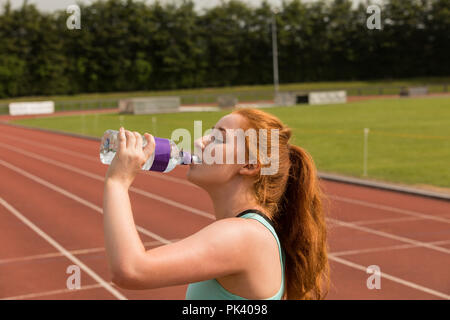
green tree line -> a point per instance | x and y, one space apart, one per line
126 45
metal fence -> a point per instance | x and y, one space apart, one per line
242 96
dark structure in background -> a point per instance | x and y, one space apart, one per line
130 46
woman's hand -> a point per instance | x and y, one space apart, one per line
130 157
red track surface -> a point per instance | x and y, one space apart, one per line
55 182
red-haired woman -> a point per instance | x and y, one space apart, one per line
269 240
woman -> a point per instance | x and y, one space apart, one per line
269 237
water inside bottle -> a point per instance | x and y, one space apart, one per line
110 144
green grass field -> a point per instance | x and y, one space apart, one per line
242 93
436 85
409 140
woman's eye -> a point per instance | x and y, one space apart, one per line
216 140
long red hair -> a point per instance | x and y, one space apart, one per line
293 198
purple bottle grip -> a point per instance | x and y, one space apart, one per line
162 155
186 157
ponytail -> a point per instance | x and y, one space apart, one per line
301 226
294 198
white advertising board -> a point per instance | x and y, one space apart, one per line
327 97
150 105
25 108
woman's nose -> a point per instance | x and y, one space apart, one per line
202 142
199 144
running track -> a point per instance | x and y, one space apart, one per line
51 194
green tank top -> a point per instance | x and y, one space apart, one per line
213 290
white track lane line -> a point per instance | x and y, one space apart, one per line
154 243
370 222
75 197
61 249
101 178
97 160
386 248
407 283
191 209
203 213
392 278
77 141
182 181
389 235
165 200
74 252
50 147
389 208
48 293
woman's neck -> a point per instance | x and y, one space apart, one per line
230 200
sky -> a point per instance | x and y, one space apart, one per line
51 5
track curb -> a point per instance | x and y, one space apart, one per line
384 186
322 175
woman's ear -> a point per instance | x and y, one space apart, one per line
250 169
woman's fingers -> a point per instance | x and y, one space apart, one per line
134 141
150 147
122 139
131 139
138 140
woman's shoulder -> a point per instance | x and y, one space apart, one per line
252 226
262 261
261 226
256 235
237 231
243 235
233 232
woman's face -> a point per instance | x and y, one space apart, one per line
219 146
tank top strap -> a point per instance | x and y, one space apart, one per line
246 212
261 217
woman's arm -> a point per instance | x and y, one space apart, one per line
122 241
222 248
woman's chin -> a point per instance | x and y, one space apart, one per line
190 176
195 176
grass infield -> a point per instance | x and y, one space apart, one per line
408 143
262 92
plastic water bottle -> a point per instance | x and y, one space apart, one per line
164 159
